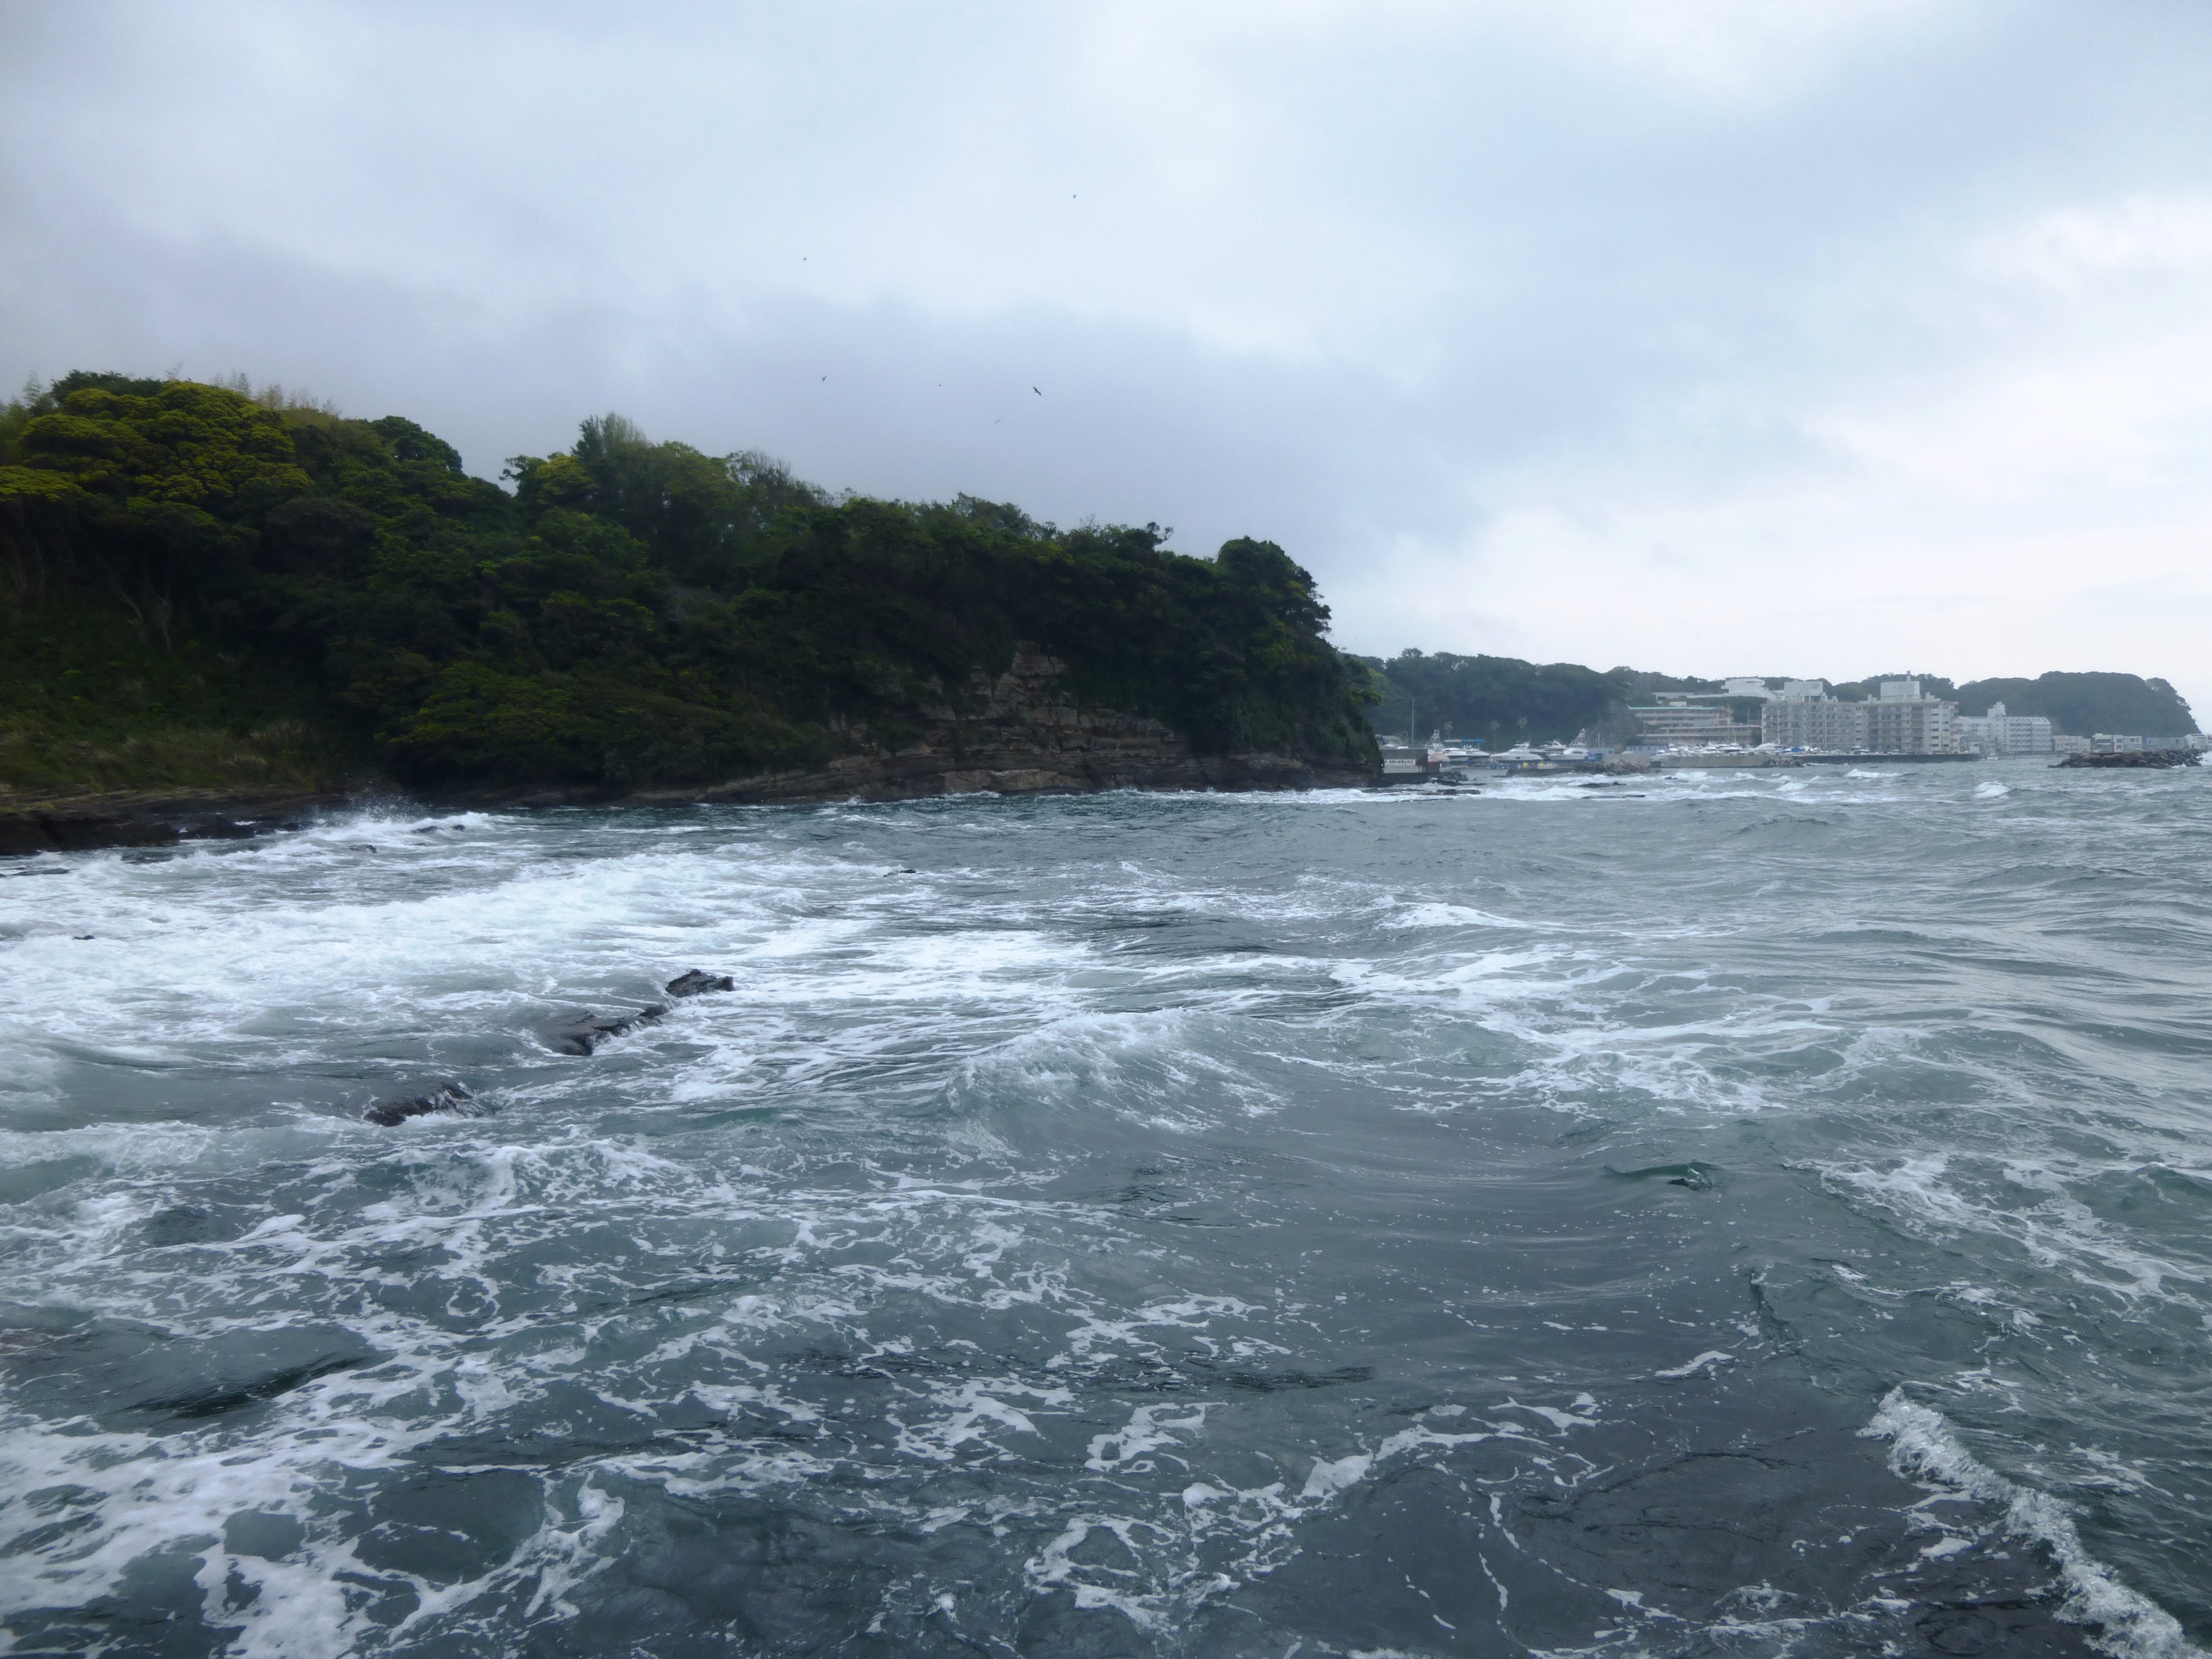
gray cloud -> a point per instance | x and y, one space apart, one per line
1706 335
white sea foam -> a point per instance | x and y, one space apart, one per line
1924 1447
1930 1194
1691 1368
910 1062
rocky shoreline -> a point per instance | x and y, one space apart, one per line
66 823
1014 733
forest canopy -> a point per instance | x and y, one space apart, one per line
633 612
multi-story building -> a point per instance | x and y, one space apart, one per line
1910 725
1999 733
2065 743
1814 723
1900 721
1659 724
2111 743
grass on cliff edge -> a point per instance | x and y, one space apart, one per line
87 704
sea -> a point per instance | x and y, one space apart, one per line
1750 1213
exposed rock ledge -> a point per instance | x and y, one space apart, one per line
1018 736
61 823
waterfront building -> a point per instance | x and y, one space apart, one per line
2065 743
2111 743
1999 733
1814 723
1661 726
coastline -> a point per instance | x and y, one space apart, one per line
87 821
65 821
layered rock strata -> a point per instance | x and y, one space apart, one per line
1018 733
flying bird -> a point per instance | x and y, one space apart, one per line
1039 394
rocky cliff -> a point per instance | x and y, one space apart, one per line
1020 732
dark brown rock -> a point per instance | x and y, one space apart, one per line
1020 733
694 983
80 823
447 1097
584 1032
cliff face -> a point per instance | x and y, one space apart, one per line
1019 734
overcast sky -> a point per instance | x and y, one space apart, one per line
1805 336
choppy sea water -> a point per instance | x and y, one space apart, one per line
1743 1214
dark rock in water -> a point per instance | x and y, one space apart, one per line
143 818
585 1031
695 983
451 1098
1697 1177
2158 759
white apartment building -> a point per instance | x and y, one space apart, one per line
1753 685
2111 743
1900 721
1999 733
1814 723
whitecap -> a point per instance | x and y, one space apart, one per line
1924 1448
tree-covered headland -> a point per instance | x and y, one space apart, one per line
202 586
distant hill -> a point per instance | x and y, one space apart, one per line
1501 700
2086 703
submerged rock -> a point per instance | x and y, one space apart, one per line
449 1097
584 1032
694 983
